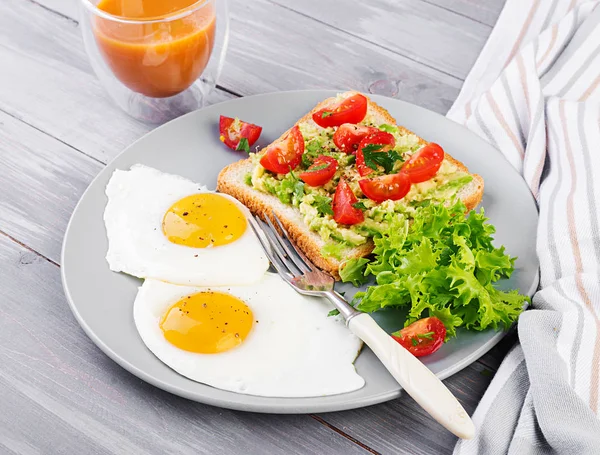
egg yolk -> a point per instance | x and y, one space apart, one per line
203 220
207 323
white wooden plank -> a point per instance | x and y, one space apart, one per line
61 394
42 180
275 48
68 8
50 85
398 427
485 11
423 32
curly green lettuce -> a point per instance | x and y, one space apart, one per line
442 264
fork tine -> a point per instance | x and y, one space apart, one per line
302 256
279 266
294 257
275 244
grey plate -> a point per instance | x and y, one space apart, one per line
102 301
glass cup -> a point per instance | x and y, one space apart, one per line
161 67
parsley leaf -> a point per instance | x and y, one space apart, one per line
387 160
243 146
372 148
414 341
428 335
359 205
333 312
312 151
323 205
320 167
326 114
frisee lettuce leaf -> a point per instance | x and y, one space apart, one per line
355 272
442 264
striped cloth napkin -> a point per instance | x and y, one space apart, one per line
534 93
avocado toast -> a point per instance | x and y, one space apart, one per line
309 208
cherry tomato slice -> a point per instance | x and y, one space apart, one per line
348 136
386 140
343 210
284 156
231 132
320 172
424 164
422 337
379 189
351 110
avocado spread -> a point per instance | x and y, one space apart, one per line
315 203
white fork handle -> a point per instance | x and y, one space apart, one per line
414 377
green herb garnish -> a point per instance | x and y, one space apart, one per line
312 151
319 167
326 114
372 148
323 204
428 335
359 205
243 145
387 160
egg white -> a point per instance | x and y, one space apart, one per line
137 202
294 350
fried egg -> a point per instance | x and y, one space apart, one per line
166 227
263 339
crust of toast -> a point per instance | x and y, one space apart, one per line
231 181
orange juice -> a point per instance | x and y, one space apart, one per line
150 53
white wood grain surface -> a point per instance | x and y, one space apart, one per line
435 37
58 392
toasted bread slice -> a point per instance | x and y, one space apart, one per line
231 180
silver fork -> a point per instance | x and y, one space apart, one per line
414 377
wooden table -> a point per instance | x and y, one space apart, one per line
58 392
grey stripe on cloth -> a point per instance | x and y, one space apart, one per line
579 35
481 124
513 108
580 70
578 332
550 15
551 68
592 205
501 421
568 424
529 439
551 216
